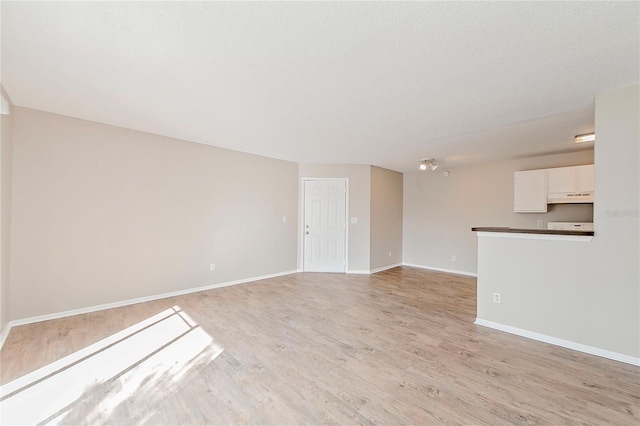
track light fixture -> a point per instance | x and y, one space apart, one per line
430 163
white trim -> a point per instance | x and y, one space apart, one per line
127 302
5 105
384 268
347 224
5 334
359 271
560 342
346 218
582 238
373 271
448 271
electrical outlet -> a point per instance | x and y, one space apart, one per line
212 267
497 298
453 258
540 223
389 254
284 219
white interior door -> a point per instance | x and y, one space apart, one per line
325 225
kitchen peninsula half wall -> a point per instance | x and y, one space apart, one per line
567 288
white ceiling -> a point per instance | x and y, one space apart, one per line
371 83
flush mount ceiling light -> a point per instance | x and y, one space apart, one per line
587 137
430 163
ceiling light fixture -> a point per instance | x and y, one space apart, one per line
587 137
430 163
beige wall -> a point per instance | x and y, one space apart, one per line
386 218
5 213
439 211
582 292
103 214
359 206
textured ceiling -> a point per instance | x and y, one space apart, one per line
371 83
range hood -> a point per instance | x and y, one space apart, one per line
570 197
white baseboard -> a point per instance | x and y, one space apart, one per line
5 334
560 342
384 268
372 271
359 271
448 271
395 265
47 317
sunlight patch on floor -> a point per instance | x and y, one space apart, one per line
132 370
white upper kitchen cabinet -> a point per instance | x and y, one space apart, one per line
586 181
571 184
562 180
530 191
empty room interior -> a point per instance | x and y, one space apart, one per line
320 213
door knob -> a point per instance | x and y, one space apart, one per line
307 232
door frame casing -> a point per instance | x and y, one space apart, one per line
301 221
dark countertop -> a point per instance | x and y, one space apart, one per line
531 231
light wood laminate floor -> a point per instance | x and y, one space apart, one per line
397 347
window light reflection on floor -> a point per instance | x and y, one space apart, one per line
144 362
